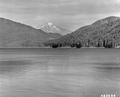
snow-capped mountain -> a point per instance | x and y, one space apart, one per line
51 28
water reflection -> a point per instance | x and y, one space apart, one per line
13 67
59 74
107 67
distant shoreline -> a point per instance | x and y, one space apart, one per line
58 48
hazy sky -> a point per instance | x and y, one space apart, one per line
69 14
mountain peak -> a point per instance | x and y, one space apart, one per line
50 23
52 28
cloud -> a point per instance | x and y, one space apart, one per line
66 13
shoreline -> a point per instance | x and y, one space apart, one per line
58 48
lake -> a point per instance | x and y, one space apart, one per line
61 72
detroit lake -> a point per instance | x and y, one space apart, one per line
61 72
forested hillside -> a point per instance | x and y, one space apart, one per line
102 33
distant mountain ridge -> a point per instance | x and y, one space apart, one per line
102 33
14 34
51 28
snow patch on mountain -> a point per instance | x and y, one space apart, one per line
51 28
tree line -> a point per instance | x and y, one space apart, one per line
106 43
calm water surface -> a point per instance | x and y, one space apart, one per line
59 72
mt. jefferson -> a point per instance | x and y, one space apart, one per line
51 28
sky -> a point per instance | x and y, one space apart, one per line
69 14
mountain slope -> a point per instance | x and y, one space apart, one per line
54 35
102 33
13 34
